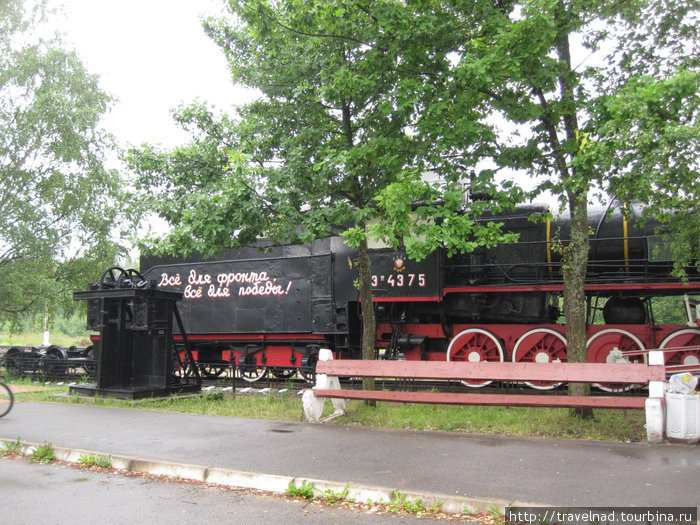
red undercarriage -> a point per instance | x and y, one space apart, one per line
504 342
272 350
496 342
486 342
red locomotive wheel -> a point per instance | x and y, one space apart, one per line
611 346
475 345
540 345
687 341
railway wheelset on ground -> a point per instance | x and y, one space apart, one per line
50 362
270 310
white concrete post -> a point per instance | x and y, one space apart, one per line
654 404
313 406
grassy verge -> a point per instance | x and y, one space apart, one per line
37 338
607 425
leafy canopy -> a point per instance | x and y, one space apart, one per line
329 144
58 203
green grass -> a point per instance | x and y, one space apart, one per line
37 338
607 425
93 460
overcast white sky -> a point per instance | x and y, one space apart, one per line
152 55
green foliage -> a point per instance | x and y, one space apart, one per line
647 143
43 454
11 448
354 105
496 515
71 325
334 497
326 148
60 205
670 310
305 491
402 503
36 339
94 460
419 216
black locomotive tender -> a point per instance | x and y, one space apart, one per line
272 310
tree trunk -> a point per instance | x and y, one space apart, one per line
575 257
367 306
575 261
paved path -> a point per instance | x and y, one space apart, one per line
458 468
36 494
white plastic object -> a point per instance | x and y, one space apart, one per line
683 383
683 417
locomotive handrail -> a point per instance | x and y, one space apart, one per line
557 287
634 269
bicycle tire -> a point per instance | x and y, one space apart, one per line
6 399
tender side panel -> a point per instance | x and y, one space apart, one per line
263 295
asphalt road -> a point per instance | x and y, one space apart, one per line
458 468
57 494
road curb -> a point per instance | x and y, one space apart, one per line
451 504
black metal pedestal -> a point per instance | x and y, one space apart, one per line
136 354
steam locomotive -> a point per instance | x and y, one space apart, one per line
271 308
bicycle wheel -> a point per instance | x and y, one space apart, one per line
6 399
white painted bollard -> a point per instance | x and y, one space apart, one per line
313 406
653 405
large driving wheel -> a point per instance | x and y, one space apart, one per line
686 343
541 345
475 345
615 345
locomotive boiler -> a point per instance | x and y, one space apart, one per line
271 308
